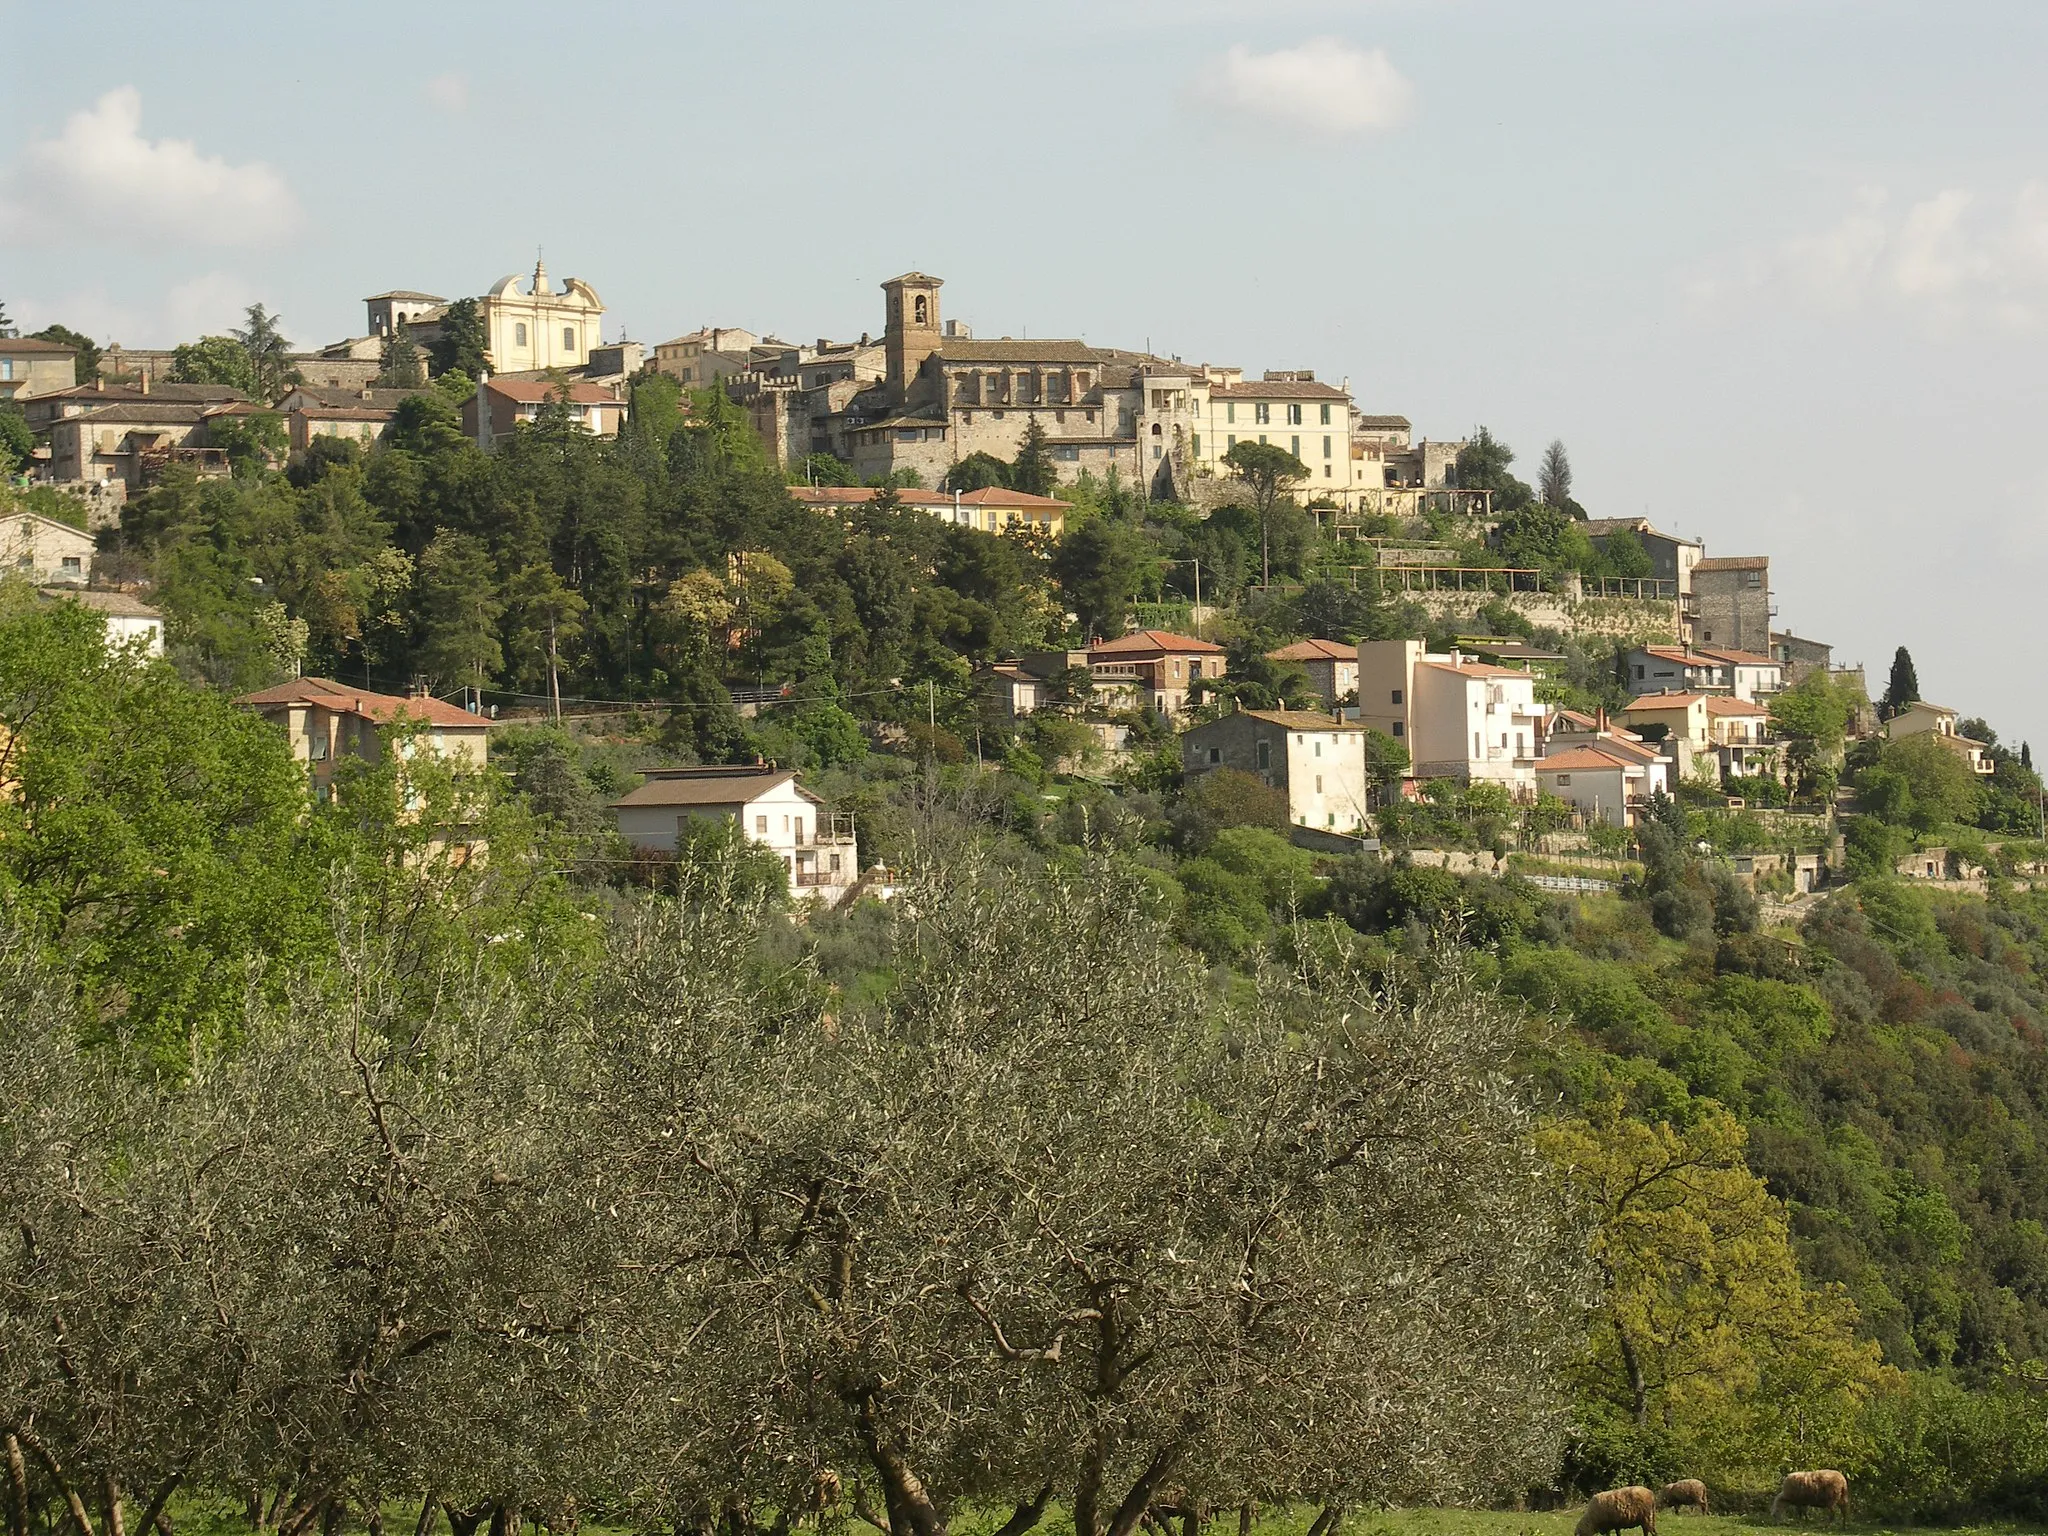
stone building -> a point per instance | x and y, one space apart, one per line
1730 603
44 550
1671 557
932 393
1317 760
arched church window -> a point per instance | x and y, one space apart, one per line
923 310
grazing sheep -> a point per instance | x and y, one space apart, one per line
1687 1492
1825 1491
1617 1509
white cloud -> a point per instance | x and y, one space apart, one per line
449 93
101 176
1958 258
1325 86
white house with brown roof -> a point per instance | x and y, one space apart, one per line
1332 669
817 847
1603 783
1317 759
44 550
1459 718
326 722
501 405
1703 669
129 620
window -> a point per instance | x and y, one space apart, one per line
1215 754
785 823
6 367
1563 779
1067 452
316 748
761 825
1294 415
1319 783
1194 669
1752 578
1326 471
1326 414
72 565
1265 754
1294 445
1478 747
1262 414
1400 729
1062 416
1195 443
1319 751
1158 452
519 334
799 830
1230 412
1639 673
1397 695
1326 447
835 863
1232 441
1262 437
923 310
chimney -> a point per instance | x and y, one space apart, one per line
1600 720
145 381
956 505
100 383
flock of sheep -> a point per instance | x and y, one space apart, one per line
1620 1508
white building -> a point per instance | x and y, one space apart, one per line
1703 669
1317 759
816 846
1459 719
129 620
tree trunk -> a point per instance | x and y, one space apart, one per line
75 1505
1639 1391
428 1506
110 1505
1246 1513
17 1489
1027 1514
464 1522
911 1510
1139 1499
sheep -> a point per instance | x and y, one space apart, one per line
1824 1490
1686 1492
1617 1509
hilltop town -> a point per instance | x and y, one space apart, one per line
1193 567
741 935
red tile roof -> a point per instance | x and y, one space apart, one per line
534 391
1314 650
1475 669
1583 760
1734 563
1153 642
1717 705
1279 389
381 707
1650 701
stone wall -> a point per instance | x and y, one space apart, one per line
1637 623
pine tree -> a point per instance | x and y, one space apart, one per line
1554 476
2027 757
270 354
1904 687
1033 472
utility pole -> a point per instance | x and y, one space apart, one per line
931 710
554 675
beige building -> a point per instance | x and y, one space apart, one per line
1459 719
44 411
990 510
818 848
29 367
1939 721
1316 759
43 550
500 405
1604 785
135 442
1291 410
1703 669
539 326
328 722
360 416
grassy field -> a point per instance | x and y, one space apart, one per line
1489 1522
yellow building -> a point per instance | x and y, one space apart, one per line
540 327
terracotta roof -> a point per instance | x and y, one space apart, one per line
406 293
1475 669
969 349
1583 760
353 398
1302 719
1314 650
1735 563
114 394
144 411
343 413
1717 705
115 605
1155 642
1278 389
716 785
1576 718
534 391
381 707
1381 421
1737 658
1650 701
23 345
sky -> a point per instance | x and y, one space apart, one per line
1775 271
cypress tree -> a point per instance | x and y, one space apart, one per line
1904 687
